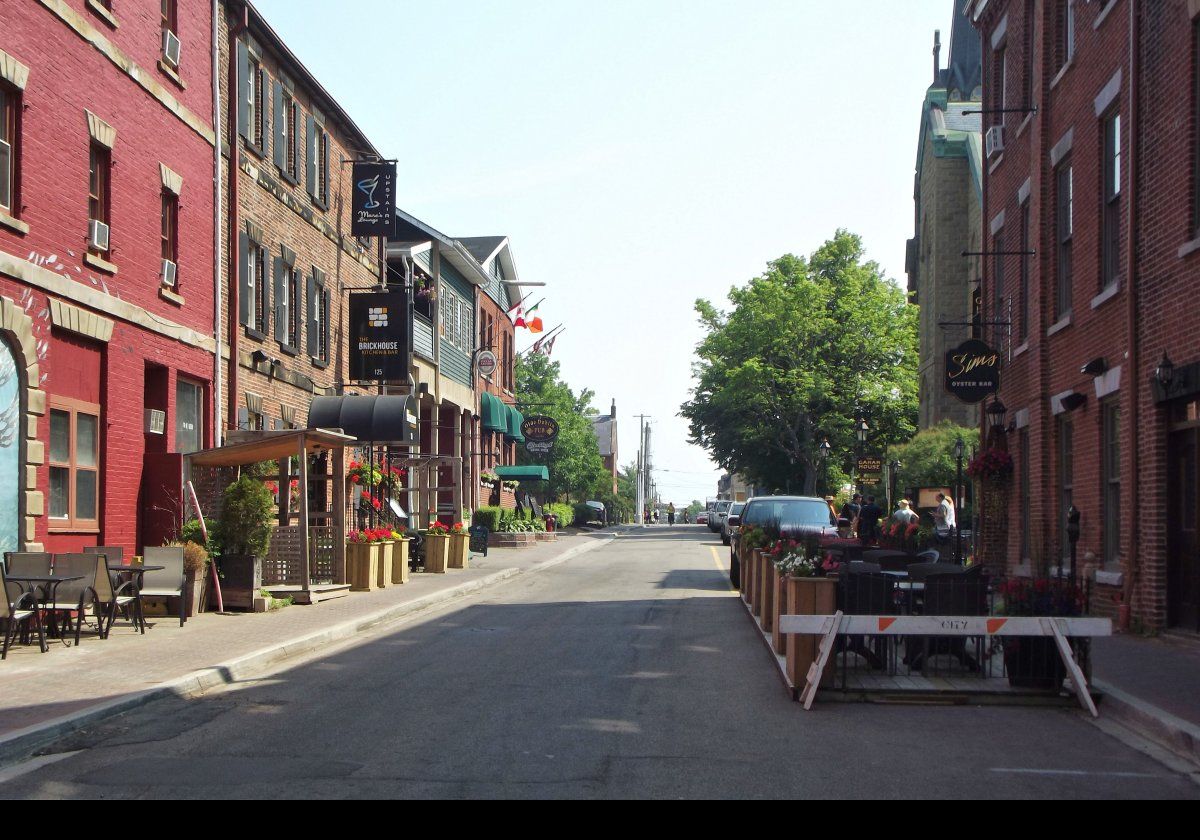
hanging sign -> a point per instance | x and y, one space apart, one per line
378 337
373 202
486 363
972 371
869 465
540 433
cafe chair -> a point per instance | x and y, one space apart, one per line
169 581
75 597
18 607
930 555
113 595
29 563
957 593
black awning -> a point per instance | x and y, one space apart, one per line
371 419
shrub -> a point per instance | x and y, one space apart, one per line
564 513
190 533
195 558
489 517
582 514
246 517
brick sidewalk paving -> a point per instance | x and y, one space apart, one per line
37 689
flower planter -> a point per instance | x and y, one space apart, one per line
760 579
748 567
241 578
778 608
1033 662
460 551
362 566
807 596
384 572
517 540
770 585
437 553
197 591
400 562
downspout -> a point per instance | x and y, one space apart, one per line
234 245
1134 378
218 209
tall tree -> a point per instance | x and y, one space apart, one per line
576 468
807 347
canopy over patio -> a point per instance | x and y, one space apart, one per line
530 472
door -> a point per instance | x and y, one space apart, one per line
1183 555
10 449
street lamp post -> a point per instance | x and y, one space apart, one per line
958 457
860 430
824 450
893 474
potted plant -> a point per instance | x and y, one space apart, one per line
387 545
805 590
437 548
367 475
460 547
245 528
400 557
195 570
1034 661
364 549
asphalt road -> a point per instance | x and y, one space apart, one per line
630 672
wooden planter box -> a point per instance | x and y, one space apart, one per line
437 553
807 596
400 562
522 540
749 564
362 566
460 551
770 587
778 608
756 597
197 591
384 572
241 579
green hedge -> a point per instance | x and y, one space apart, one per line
489 517
565 513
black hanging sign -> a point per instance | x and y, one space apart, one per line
373 205
378 337
869 465
539 433
972 371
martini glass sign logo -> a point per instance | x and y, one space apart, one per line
368 187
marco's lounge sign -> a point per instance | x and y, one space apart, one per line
972 371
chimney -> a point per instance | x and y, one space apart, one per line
612 412
937 54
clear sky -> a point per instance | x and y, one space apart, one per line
639 154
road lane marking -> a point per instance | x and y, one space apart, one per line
721 567
1031 771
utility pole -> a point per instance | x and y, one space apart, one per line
642 470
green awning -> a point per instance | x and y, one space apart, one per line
494 413
515 419
530 472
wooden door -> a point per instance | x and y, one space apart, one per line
1183 563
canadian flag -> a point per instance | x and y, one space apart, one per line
517 314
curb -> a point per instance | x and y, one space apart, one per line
1173 733
19 745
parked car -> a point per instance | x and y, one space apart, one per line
792 516
726 529
716 517
702 518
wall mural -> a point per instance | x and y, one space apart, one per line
10 448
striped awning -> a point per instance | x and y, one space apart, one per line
515 419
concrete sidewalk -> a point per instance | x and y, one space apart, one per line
43 696
1152 685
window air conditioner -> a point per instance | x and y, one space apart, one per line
168 273
171 47
994 144
156 421
98 235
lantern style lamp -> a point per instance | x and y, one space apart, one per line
1165 372
997 413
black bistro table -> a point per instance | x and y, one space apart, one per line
136 573
46 585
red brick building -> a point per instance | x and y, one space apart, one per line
106 266
1086 218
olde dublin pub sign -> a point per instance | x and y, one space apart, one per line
378 336
539 433
972 371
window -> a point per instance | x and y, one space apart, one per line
256 116
288 304
1111 464
189 416
74 465
1111 232
1000 86
256 288
170 231
99 174
323 168
1025 501
10 135
1196 130
1064 33
1023 293
318 317
1064 225
1066 482
998 275
170 32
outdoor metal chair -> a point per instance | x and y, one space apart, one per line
863 592
113 595
114 554
31 563
930 555
963 592
18 607
168 582
860 567
75 596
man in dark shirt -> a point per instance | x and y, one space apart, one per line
868 521
850 511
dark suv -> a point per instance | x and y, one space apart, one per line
790 516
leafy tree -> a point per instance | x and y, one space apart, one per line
808 346
576 469
928 459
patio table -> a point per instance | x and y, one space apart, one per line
52 582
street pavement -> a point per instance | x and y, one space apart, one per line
631 671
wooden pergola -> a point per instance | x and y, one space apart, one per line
256 447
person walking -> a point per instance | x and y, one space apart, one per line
850 512
943 519
868 521
671 513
